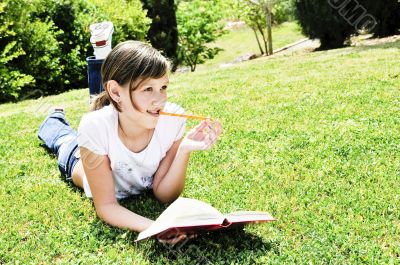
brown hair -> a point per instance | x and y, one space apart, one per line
128 62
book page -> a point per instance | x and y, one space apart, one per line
184 212
249 217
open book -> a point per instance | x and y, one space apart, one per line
193 216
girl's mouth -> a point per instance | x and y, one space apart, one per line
154 113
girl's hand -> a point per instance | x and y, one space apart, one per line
175 239
202 137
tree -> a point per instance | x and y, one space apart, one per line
334 21
258 16
319 19
254 18
386 13
198 25
283 10
11 79
265 6
163 32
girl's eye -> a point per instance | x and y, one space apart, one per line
149 89
164 88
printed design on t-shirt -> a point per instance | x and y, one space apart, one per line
128 179
147 182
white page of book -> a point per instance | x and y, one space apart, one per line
184 212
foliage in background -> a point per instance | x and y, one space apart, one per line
319 20
333 22
46 42
259 15
244 41
254 16
11 79
283 11
163 32
386 14
35 38
129 18
262 11
229 9
198 25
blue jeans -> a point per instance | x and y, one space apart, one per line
94 75
57 134
61 140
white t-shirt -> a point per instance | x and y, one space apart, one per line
132 172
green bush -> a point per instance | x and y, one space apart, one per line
198 24
386 13
128 17
333 21
320 20
11 79
283 10
47 41
72 18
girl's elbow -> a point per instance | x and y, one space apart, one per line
168 194
101 214
103 211
166 198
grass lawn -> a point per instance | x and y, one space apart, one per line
313 139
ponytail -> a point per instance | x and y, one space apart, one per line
100 101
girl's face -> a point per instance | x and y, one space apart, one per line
149 98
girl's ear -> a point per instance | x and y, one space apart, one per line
113 89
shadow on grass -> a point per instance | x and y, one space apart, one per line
379 46
365 47
220 247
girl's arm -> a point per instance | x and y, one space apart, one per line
169 179
98 173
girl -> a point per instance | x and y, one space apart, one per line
126 147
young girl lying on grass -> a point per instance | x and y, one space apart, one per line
126 147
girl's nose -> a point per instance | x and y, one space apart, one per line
159 100
156 103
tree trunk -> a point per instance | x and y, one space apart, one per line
263 36
258 41
193 64
269 29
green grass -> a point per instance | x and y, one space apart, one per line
312 138
241 41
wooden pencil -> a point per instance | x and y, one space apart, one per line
183 115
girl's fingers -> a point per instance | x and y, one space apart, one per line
174 240
216 128
209 142
200 131
205 134
192 236
178 238
202 125
199 128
